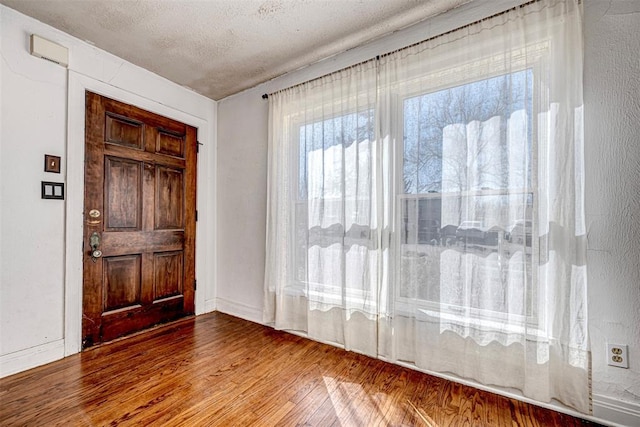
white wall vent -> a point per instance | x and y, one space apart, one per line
45 49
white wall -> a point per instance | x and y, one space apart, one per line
242 176
612 139
39 115
612 117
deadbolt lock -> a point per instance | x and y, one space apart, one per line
94 217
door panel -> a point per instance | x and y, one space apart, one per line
122 280
169 198
125 132
168 271
170 144
122 187
140 187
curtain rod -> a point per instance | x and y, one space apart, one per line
377 57
266 95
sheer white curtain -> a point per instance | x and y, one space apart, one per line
489 267
427 207
323 259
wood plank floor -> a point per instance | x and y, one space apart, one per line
217 370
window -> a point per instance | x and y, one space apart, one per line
426 206
467 189
336 158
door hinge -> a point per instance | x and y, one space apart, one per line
196 215
195 284
198 144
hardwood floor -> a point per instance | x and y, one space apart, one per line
217 370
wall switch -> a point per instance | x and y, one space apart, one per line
617 355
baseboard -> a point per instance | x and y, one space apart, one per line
616 412
28 358
242 311
210 305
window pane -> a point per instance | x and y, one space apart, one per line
333 212
466 212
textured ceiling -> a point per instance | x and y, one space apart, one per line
221 47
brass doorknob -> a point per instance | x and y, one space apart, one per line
94 242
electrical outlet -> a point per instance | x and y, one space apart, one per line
617 355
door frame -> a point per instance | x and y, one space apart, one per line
205 227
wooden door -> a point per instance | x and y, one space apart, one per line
139 207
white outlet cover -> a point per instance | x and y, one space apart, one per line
620 351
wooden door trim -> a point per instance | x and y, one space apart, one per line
206 230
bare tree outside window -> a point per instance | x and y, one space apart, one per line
426 118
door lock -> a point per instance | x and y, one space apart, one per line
94 242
